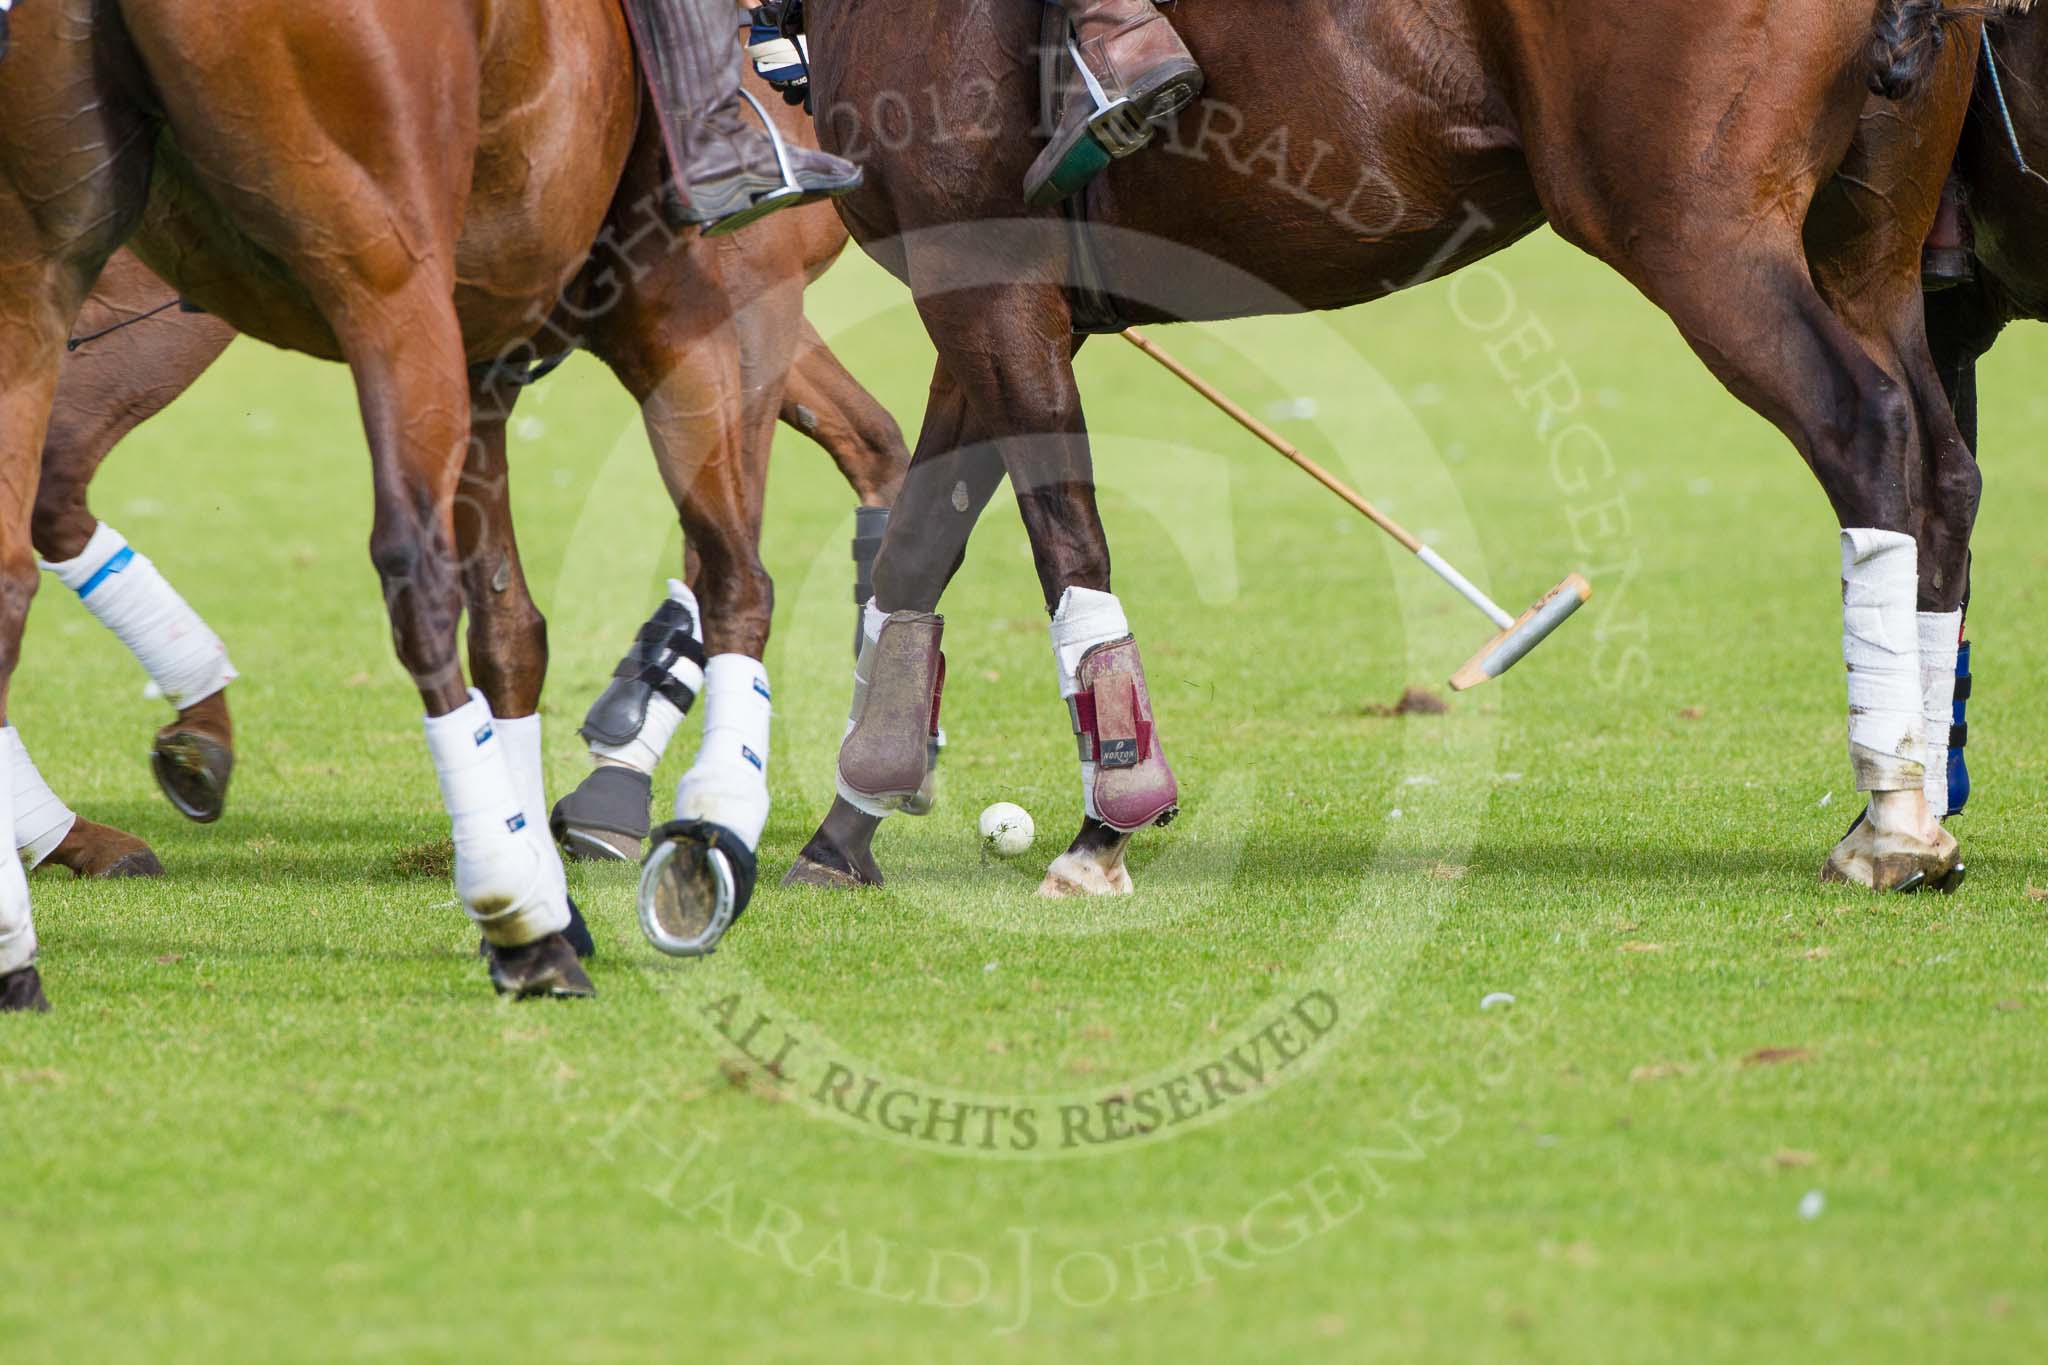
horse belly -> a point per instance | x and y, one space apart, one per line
1384 158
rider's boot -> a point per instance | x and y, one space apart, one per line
1135 74
732 166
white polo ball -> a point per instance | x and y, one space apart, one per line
1006 829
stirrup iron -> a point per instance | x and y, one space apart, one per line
775 198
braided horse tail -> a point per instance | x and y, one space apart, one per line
1907 39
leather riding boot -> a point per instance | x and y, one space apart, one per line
731 168
1137 74
1950 255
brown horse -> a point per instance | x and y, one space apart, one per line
414 191
1361 147
146 350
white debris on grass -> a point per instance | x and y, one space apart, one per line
1827 800
1496 998
1293 410
1811 1206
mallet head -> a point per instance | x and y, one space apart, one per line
1506 649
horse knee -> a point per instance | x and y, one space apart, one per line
18 579
60 523
1958 491
1864 470
508 654
738 601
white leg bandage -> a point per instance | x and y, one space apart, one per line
130 597
1085 619
40 820
17 931
1881 647
523 754
499 874
1941 638
728 785
643 752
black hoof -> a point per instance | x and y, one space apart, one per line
577 932
22 992
695 885
545 969
809 872
824 864
141 863
605 818
193 770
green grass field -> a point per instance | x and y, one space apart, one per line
1730 1115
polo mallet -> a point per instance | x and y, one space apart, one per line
1517 636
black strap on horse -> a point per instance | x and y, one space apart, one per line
182 305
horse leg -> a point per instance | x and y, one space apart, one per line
1868 267
1890 324
508 636
74 173
109 387
712 433
38 299
829 405
951 479
1788 356
1962 324
365 210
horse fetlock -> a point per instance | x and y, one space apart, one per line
501 876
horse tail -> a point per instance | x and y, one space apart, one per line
1907 39
1904 46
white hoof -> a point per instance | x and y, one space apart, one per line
1082 874
1892 861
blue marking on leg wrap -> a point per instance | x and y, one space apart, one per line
118 561
1959 736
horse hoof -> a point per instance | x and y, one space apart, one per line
1077 874
577 932
104 853
605 819
695 885
810 872
193 770
544 969
1894 863
824 864
22 992
598 845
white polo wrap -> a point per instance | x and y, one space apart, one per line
1941 639
17 931
522 736
728 784
41 820
178 650
499 873
1881 648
